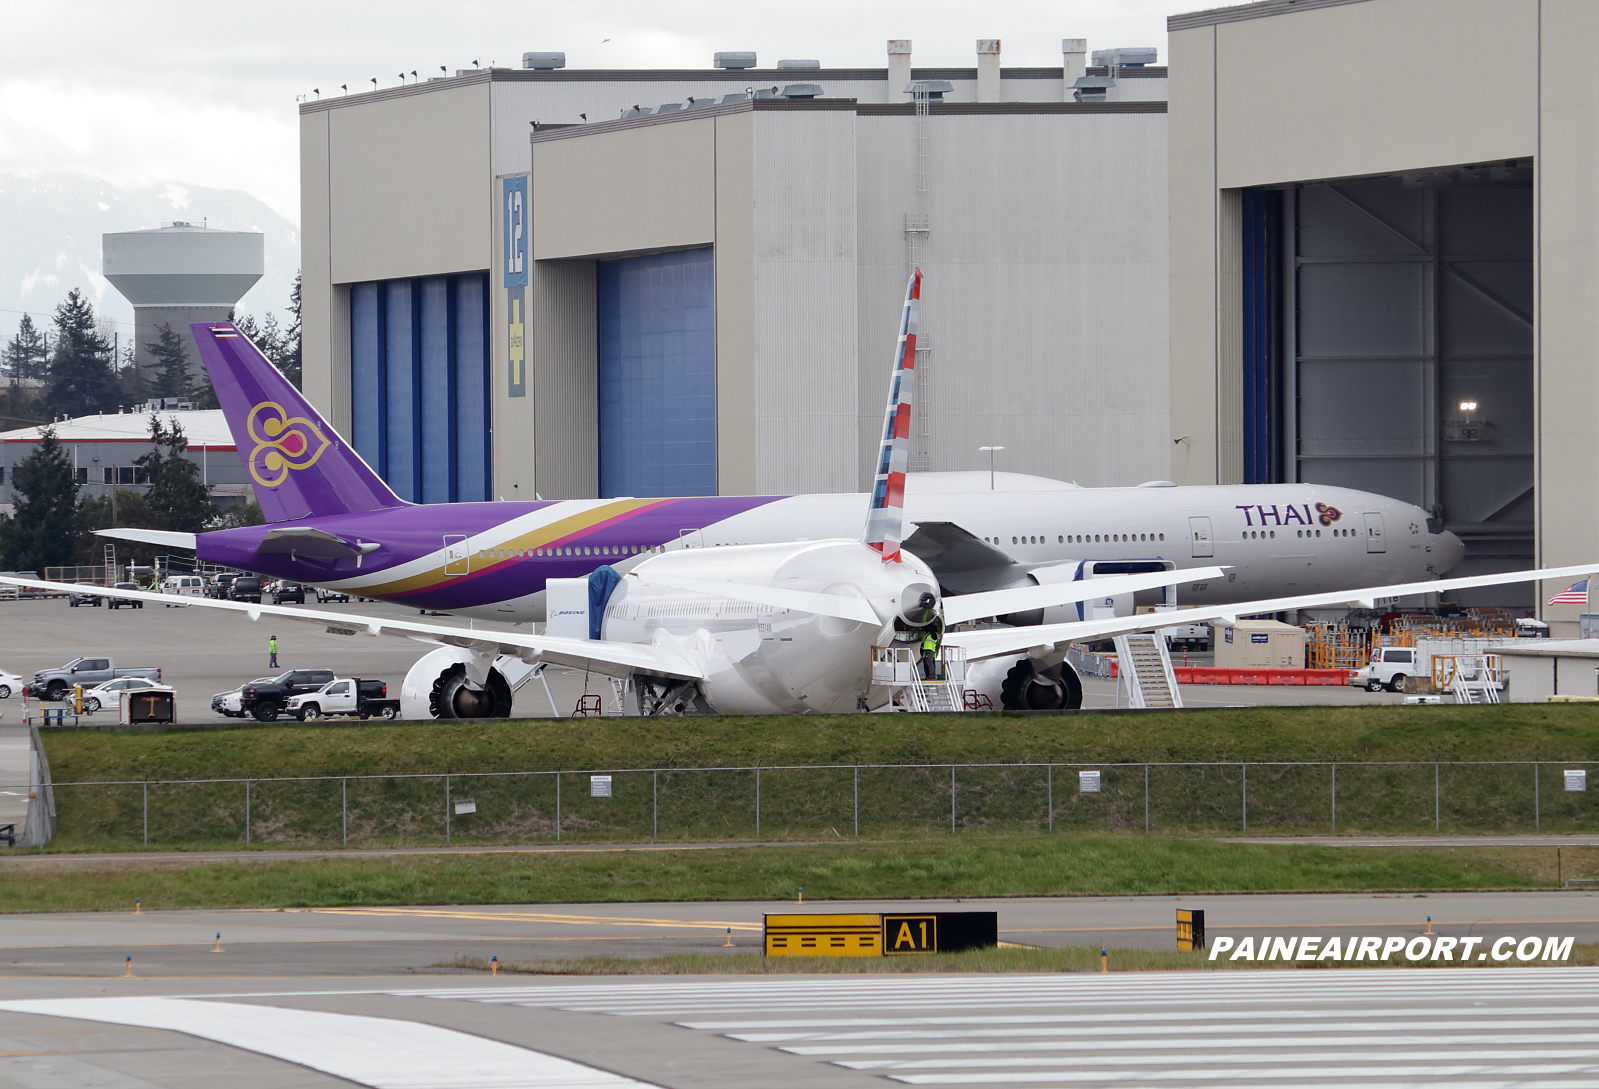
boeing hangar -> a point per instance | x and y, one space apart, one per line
1393 291
597 283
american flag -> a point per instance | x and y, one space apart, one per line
1575 594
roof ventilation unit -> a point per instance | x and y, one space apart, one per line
935 89
543 61
766 92
668 107
738 96
799 64
637 111
802 90
1092 88
734 60
1125 57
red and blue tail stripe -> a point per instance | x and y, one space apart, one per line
886 520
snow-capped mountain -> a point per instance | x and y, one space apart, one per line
50 228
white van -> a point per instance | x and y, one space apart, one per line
1388 669
183 586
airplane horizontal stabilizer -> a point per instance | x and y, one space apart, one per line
308 541
164 538
846 608
1024 598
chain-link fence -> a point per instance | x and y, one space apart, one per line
831 802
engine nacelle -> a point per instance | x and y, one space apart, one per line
1017 684
437 687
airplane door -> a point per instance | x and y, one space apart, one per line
1375 541
456 561
1203 544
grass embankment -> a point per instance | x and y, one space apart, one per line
1072 959
980 865
676 802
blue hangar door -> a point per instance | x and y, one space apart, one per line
657 374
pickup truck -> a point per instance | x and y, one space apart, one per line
56 684
344 696
267 699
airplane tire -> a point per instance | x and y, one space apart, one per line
1025 690
453 698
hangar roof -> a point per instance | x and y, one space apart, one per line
205 429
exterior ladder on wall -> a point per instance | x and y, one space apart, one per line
1146 670
110 566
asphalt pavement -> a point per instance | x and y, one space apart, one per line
354 941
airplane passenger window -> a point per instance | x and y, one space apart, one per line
1163 536
1013 540
1059 539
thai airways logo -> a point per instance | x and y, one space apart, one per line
1327 515
282 442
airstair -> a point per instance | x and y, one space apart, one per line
1146 670
899 669
1473 680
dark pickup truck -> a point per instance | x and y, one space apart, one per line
265 699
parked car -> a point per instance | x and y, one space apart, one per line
289 591
1388 668
79 597
246 588
344 696
266 699
220 586
9 683
54 684
323 594
108 694
119 602
183 586
231 703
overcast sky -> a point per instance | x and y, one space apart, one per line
205 93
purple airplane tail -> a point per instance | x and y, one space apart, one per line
298 464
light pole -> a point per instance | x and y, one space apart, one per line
991 451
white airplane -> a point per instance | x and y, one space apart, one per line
791 626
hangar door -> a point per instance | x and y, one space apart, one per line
1401 319
657 374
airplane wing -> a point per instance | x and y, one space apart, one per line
994 642
598 656
1023 598
963 563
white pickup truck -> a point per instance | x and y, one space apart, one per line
1388 668
344 696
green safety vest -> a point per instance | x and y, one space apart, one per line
928 642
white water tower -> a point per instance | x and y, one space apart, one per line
178 273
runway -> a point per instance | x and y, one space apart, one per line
355 941
1271 1030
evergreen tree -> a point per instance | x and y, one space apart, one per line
24 354
171 364
178 501
39 533
95 512
80 376
134 387
289 364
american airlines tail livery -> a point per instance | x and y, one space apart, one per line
689 598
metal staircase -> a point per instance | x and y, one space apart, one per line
899 669
1473 680
1146 670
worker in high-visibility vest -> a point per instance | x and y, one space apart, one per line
929 654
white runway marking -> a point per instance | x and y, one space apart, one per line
374 1051
1381 1029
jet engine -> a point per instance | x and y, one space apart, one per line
437 687
1021 684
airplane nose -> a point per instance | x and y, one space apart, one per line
1452 548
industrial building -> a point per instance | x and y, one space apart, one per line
1384 259
564 283
104 448
180 273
